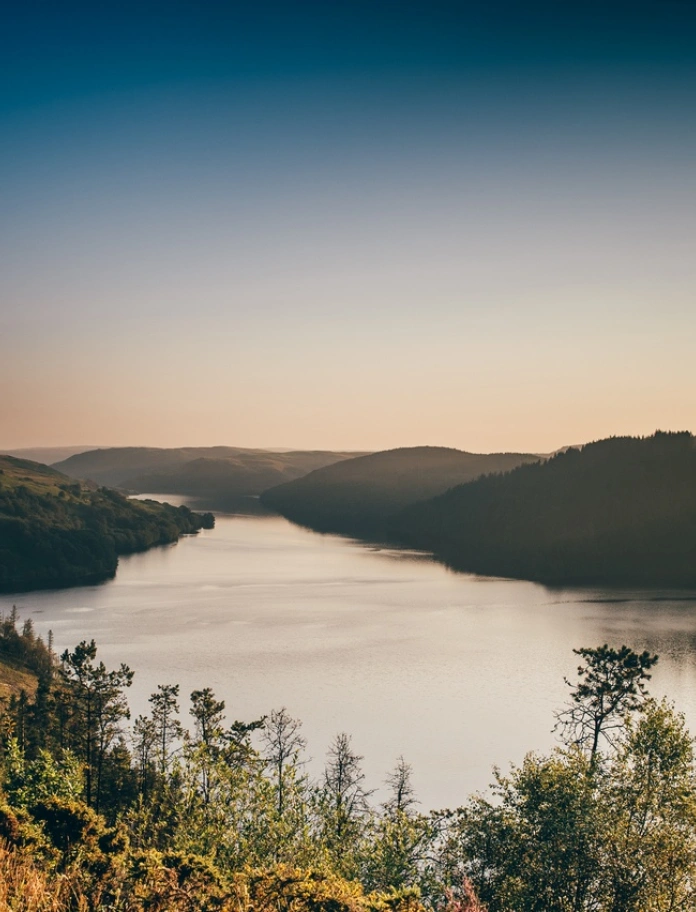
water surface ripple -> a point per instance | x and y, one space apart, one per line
455 672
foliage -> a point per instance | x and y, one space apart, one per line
618 511
29 781
55 532
96 709
534 845
359 495
23 648
225 817
651 794
611 685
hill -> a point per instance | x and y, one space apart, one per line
357 496
14 680
47 455
212 473
55 532
619 511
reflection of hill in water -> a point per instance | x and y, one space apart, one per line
56 532
663 623
269 614
618 512
245 505
238 505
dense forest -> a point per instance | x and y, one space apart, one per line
357 496
99 814
618 511
55 532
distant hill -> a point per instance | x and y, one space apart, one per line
47 455
213 473
618 511
56 532
358 495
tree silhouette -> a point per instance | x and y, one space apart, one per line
611 685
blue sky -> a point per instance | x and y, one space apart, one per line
354 225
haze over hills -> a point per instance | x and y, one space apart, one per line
48 455
621 510
211 473
617 511
55 532
357 496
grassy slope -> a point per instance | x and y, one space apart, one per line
618 511
56 532
15 678
196 471
22 657
357 496
37 478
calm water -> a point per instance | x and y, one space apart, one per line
454 672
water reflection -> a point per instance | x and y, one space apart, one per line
453 671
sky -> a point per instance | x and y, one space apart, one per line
347 225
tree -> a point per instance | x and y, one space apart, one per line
399 838
144 744
97 707
651 795
28 781
537 845
284 744
344 805
402 797
611 685
343 780
208 714
167 727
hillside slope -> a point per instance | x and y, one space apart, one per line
55 532
48 455
618 511
356 496
23 658
205 472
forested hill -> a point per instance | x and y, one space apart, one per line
618 511
56 532
214 474
358 495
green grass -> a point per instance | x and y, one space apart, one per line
37 478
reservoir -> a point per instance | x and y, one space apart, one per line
454 672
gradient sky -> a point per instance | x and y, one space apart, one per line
347 225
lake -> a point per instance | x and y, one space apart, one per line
455 672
